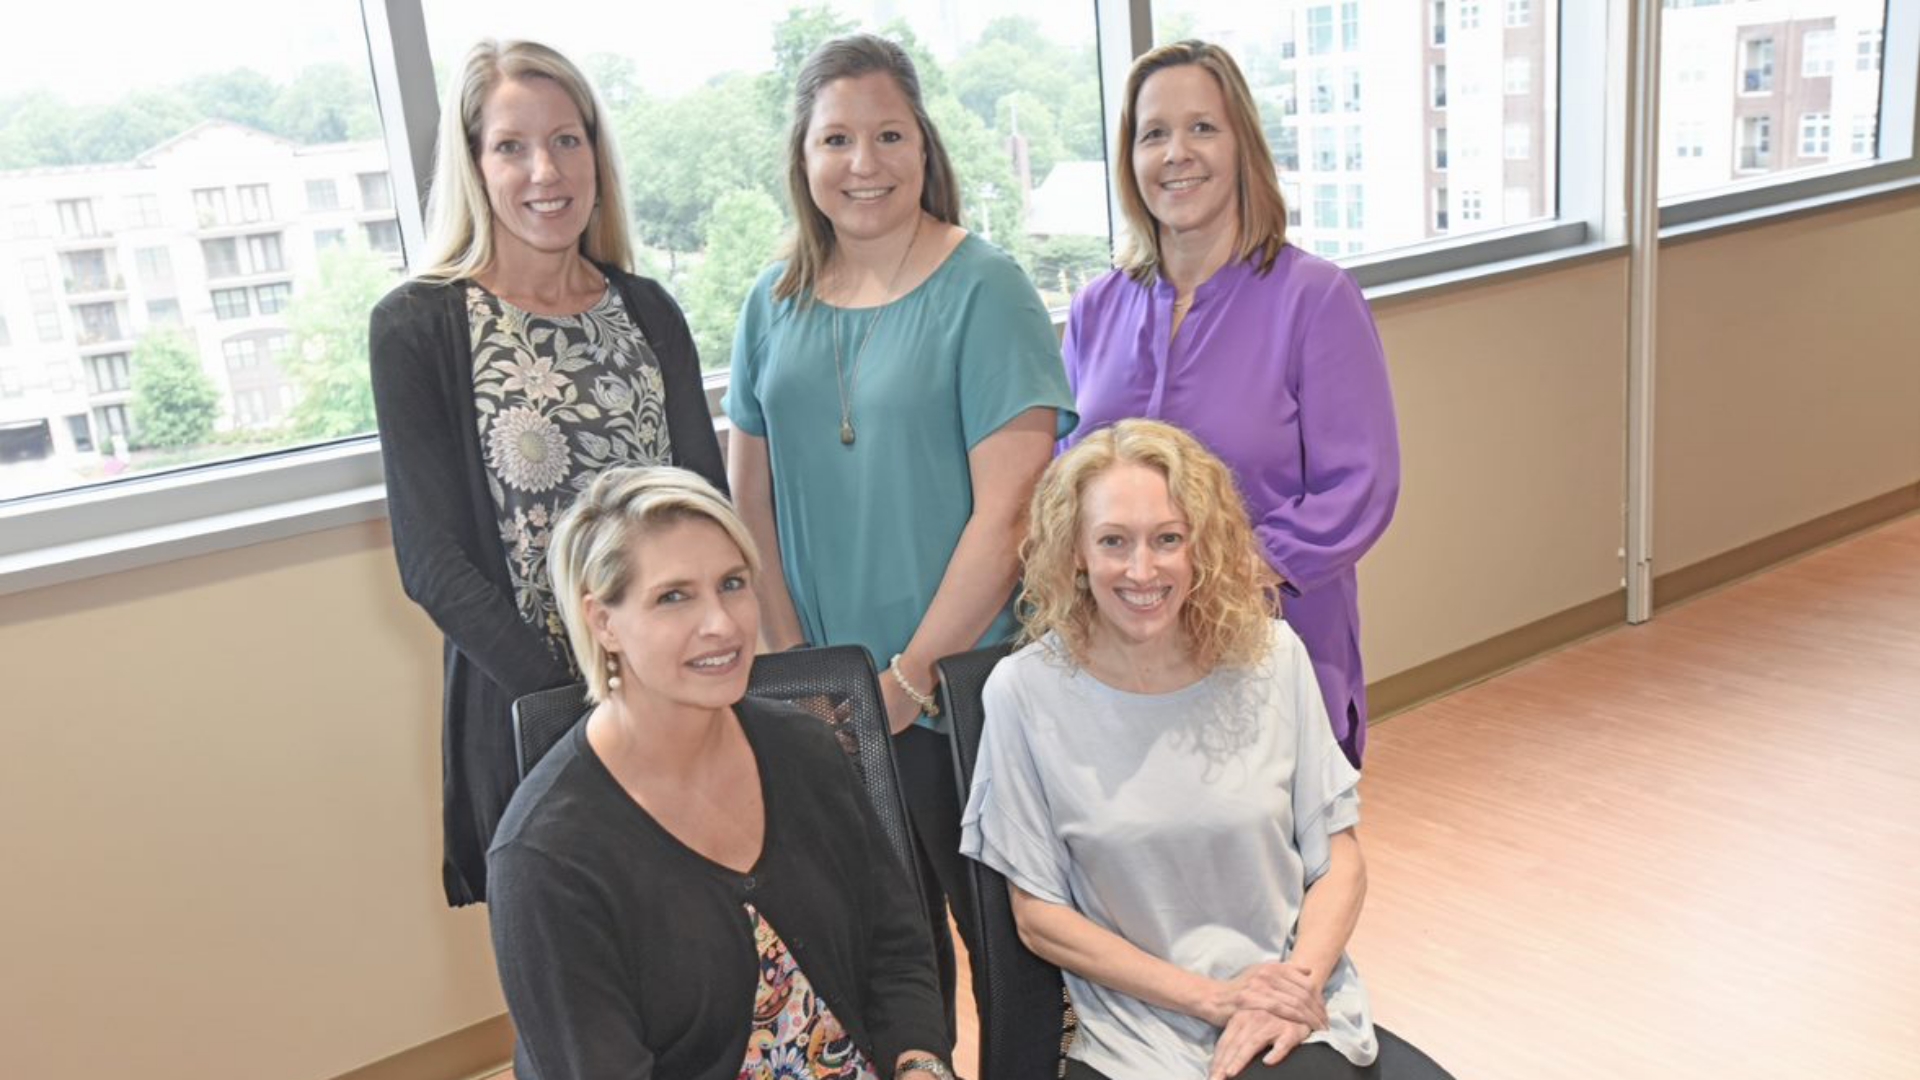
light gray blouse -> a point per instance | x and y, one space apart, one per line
1189 823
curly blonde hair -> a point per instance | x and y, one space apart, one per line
1228 613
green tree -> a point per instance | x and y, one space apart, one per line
689 152
329 360
325 103
741 240
174 402
794 38
242 95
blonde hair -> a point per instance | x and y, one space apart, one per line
1263 210
590 551
459 217
1228 613
811 243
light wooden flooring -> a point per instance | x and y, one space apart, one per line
1689 848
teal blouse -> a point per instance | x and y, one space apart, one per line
867 529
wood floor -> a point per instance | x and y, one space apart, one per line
1689 848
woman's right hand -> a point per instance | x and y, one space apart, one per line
1288 991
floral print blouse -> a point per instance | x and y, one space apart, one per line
559 398
795 1035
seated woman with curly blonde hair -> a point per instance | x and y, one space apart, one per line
1159 785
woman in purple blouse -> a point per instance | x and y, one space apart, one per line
1268 354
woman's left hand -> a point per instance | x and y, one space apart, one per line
1250 1032
902 711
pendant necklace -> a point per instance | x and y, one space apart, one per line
848 377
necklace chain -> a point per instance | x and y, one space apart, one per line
846 379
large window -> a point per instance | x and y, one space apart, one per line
1013 85
158 147
1461 88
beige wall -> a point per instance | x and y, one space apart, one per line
1789 376
219 813
219 804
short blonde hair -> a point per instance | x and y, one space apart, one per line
459 217
811 242
590 551
1263 210
1228 613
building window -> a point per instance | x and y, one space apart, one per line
112 419
222 256
1863 135
1356 207
1519 12
375 192
278 346
1469 14
1326 206
323 195
154 266
164 312
383 236
1355 160
273 299
242 353
1350 26
263 253
1816 134
1690 139
1816 54
76 217
1286 149
143 211
327 239
1440 209
255 203
1470 209
11 384
1437 16
1756 142
1440 149
81 429
1756 66
87 271
1519 75
210 206
1437 74
98 322
1519 142
1322 100
1866 50
1320 30
109 374
231 304
1352 102
1326 155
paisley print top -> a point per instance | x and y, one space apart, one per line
795 1035
559 398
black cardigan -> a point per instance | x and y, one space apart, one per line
447 542
626 955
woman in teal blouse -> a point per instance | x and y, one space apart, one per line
897 390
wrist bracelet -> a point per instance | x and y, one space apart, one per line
928 706
932 1066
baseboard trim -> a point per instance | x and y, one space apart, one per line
1482 661
1677 586
480 1050
1479 662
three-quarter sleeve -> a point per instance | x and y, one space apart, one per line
1009 357
689 422
427 499
1326 787
1007 824
560 969
1349 440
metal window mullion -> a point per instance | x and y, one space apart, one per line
1123 30
1643 151
403 83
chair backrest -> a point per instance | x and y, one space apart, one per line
1025 1023
540 718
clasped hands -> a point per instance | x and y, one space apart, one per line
1266 1010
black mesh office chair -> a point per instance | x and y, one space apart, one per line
836 683
1025 1021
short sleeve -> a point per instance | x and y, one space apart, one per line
1009 357
750 343
1326 787
1007 824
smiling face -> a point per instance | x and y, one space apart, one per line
866 162
1134 546
685 630
538 166
1185 158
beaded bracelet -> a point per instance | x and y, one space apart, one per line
928 707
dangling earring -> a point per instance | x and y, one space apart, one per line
613 672
1080 580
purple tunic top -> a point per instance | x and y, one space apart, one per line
1282 375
